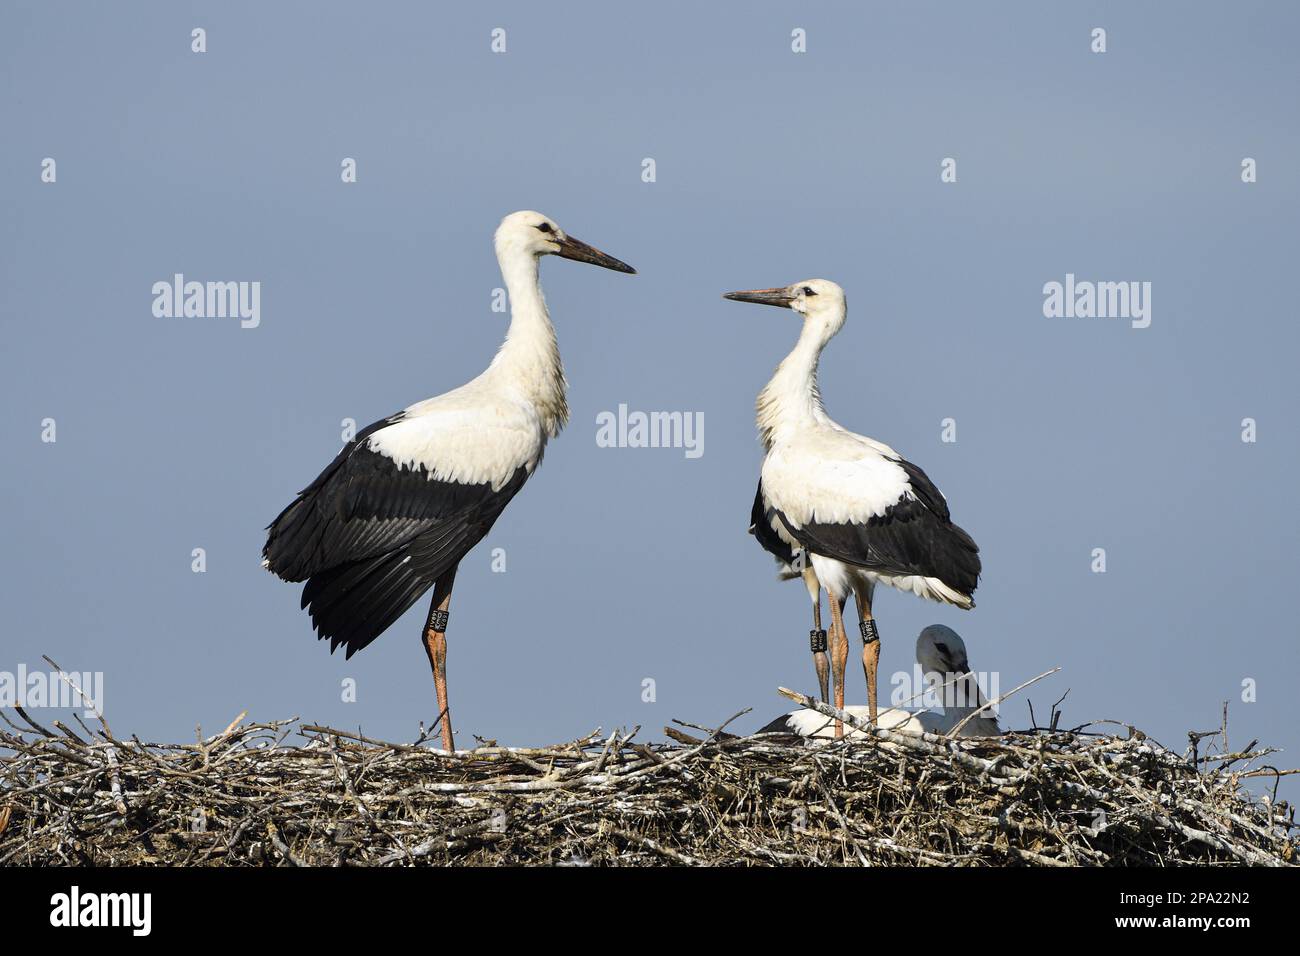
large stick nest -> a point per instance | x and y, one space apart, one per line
284 793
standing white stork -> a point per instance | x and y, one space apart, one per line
941 653
861 513
404 501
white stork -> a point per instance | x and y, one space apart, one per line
941 653
403 502
858 510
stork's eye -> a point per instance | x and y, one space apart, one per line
545 227
943 649
807 290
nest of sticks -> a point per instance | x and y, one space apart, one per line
291 794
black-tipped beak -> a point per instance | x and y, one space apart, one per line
778 297
579 251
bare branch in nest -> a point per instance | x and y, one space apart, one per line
289 794
956 731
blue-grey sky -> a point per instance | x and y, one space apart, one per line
771 166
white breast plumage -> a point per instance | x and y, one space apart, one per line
807 480
463 441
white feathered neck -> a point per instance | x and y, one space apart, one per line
529 358
791 401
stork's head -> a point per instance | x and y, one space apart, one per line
819 302
940 650
529 233
942 655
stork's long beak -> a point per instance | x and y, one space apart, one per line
778 297
579 251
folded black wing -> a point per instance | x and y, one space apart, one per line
912 536
369 537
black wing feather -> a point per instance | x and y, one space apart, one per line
913 536
369 538
760 526
295 548
354 602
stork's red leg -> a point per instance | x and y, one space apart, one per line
821 663
817 637
839 653
435 645
870 650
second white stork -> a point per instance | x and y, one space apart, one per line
399 507
862 513
941 654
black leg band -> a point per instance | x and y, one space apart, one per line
869 633
438 620
817 639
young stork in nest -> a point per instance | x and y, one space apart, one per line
941 654
401 505
859 511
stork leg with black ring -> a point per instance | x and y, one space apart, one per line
435 645
870 649
817 636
